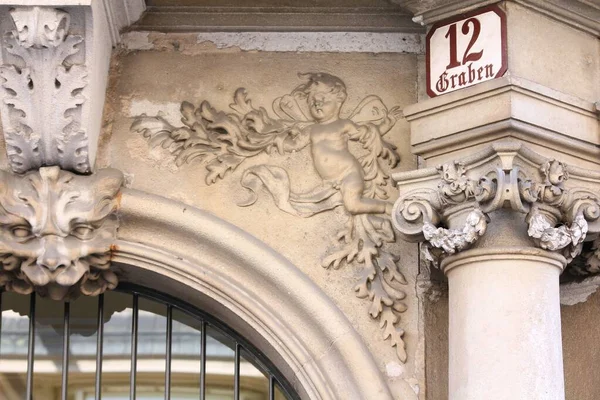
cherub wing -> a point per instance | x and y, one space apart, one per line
372 110
292 107
374 120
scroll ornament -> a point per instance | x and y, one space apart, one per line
310 117
57 229
42 92
558 217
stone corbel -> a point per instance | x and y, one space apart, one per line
448 207
57 230
53 75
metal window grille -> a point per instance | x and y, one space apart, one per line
278 386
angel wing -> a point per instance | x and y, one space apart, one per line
292 107
372 110
374 120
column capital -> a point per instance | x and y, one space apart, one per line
450 206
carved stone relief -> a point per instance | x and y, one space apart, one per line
559 218
42 92
57 229
308 118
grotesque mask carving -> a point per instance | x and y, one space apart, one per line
56 231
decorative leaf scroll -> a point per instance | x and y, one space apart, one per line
308 117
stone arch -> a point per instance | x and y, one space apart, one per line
173 247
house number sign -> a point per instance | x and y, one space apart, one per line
466 50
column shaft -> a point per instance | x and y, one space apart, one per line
505 332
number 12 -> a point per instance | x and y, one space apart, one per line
453 47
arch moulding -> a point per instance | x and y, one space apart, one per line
167 245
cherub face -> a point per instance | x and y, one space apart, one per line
324 105
56 229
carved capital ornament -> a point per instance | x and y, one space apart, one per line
448 207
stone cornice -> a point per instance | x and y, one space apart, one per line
581 14
430 11
505 107
369 16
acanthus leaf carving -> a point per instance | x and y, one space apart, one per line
309 117
40 26
551 201
418 214
57 229
42 93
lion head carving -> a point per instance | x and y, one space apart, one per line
56 231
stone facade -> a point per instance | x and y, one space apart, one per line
298 183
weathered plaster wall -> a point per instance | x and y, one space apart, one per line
174 68
581 352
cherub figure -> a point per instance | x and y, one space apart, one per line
328 136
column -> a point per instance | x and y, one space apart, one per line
504 327
502 236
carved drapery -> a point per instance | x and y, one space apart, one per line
448 207
57 230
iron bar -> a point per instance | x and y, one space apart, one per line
1 295
271 387
65 352
281 384
236 382
30 347
134 345
203 361
169 347
99 348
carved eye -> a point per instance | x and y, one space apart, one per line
82 231
21 231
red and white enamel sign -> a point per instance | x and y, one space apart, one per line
466 50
